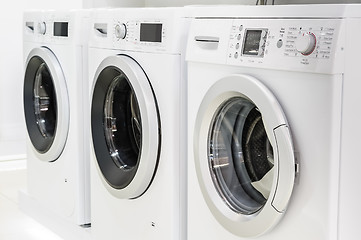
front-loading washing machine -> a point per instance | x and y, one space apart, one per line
54 94
272 124
138 119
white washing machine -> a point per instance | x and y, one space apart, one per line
272 124
138 123
54 94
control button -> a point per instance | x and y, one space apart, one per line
236 55
120 31
41 28
240 28
279 43
306 43
239 37
237 46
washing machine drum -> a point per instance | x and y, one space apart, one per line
45 104
243 155
125 126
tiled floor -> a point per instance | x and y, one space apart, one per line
14 224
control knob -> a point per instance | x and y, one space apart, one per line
306 43
120 31
41 28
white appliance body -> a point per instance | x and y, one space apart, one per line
297 69
54 94
138 109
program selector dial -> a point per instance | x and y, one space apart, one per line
42 28
120 31
306 43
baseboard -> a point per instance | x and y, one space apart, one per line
17 162
12 149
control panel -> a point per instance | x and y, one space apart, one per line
139 33
293 42
48 30
60 27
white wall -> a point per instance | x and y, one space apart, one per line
174 3
115 3
12 125
314 1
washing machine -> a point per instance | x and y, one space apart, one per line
138 119
55 91
272 123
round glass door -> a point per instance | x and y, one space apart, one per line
43 110
125 126
243 155
240 156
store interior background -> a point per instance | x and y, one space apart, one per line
12 125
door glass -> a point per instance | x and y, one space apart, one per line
240 156
44 102
122 128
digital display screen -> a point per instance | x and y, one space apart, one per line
252 42
61 29
151 32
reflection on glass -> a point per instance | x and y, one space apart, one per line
240 156
122 123
44 102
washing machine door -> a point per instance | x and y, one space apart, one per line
46 104
244 155
125 127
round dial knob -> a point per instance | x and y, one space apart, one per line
306 43
42 28
120 31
